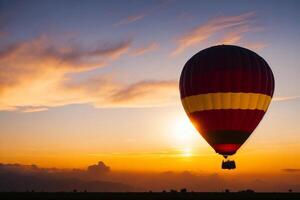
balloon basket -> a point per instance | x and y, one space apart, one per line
228 164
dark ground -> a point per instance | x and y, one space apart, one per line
149 196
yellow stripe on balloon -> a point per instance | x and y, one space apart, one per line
227 100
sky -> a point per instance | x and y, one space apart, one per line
84 82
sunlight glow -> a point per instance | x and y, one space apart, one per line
183 133
186 152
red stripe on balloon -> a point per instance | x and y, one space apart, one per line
227 119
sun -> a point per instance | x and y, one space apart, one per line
183 132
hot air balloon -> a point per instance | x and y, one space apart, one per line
225 91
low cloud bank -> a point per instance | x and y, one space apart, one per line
101 178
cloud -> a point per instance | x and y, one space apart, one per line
145 93
292 170
35 76
102 91
19 168
140 51
236 37
18 177
141 15
236 33
99 168
28 109
42 57
285 98
239 23
21 178
130 19
231 38
40 73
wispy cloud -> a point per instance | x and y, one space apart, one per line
103 91
237 25
236 33
166 153
236 37
32 57
36 108
38 74
130 19
142 14
292 170
140 51
286 98
231 38
146 93
40 58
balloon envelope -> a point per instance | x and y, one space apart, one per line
225 91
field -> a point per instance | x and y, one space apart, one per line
150 195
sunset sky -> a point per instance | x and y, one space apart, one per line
84 82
